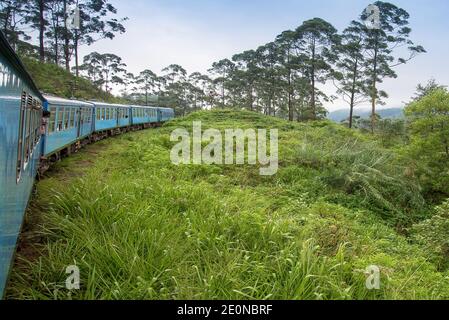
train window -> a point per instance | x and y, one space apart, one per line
51 123
32 131
59 126
37 122
66 118
27 130
20 139
72 117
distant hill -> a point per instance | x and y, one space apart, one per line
343 114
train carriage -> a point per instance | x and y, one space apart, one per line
111 116
20 150
144 115
70 121
165 114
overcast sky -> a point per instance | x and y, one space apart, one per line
196 33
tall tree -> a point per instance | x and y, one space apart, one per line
12 15
107 69
36 16
247 73
313 39
147 80
222 70
55 28
96 23
350 73
270 80
286 44
380 45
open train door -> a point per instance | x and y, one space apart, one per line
79 122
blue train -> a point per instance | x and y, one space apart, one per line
36 130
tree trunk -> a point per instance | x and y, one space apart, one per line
374 88
66 39
290 104
76 54
354 79
251 99
41 30
313 102
222 96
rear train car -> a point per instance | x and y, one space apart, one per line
21 144
165 114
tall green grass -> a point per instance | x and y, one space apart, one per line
139 227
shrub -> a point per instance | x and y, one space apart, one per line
433 235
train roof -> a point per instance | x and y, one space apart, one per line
8 52
105 104
144 107
66 102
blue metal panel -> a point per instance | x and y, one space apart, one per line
107 116
125 117
165 114
14 195
142 115
70 121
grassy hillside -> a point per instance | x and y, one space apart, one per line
53 79
141 228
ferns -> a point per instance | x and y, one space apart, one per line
365 169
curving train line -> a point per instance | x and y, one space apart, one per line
36 130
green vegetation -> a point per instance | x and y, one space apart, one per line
141 228
429 130
52 79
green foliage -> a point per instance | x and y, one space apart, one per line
141 228
52 79
428 119
104 70
365 169
433 235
